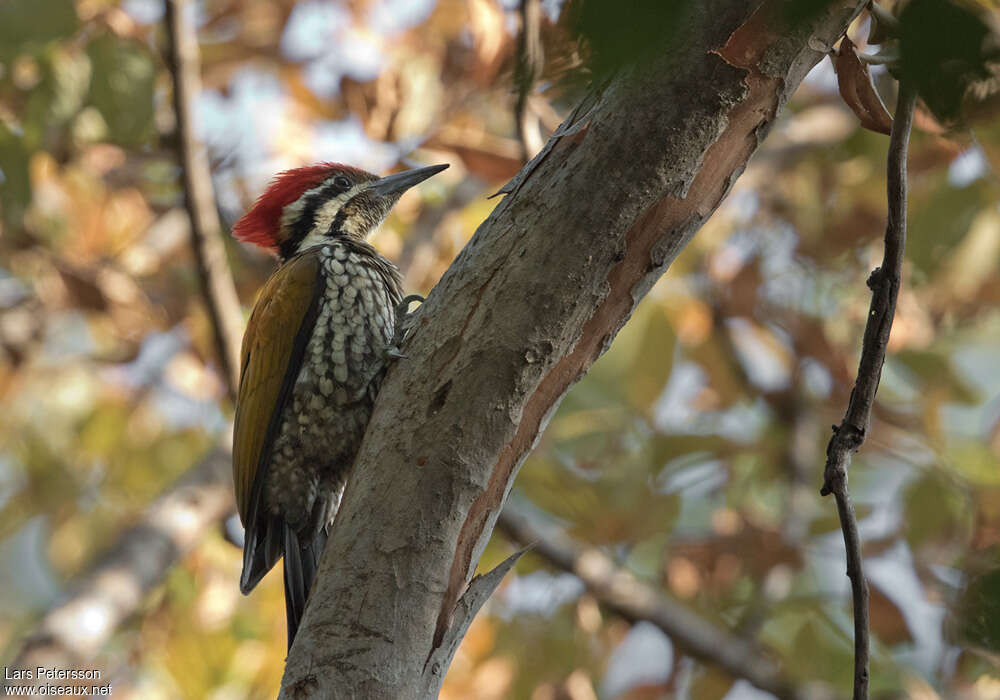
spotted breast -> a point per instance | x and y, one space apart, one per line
331 403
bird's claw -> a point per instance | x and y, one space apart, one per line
392 351
404 321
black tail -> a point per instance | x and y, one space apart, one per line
301 561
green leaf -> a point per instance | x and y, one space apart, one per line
977 612
15 194
935 511
975 462
27 24
941 218
637 367
122 89
821 653
934 371
653 361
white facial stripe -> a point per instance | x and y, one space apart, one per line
353 226
328 212
324 215
291 212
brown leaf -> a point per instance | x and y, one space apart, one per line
857 89
81 285
887 619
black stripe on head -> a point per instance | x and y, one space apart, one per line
302 225
339 219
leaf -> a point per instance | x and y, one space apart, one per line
976 462
16 191
636 370
26 24
948 52
934 370
653 361
857 89
821 653
665 447
711 684
978 612
122 88
887 621
942 217
936 512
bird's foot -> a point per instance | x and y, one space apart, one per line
404 323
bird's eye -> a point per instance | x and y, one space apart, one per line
342 182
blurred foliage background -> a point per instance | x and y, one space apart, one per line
692 452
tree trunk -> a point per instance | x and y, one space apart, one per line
534 298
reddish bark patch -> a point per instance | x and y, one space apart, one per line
748 43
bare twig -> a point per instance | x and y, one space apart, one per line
635 601
213 271
115 587
850 434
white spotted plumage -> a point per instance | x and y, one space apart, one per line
330 406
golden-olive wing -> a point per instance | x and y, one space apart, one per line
273 346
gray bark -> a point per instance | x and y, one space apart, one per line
535 297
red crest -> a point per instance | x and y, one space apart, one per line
262 222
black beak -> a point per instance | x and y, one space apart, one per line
398 183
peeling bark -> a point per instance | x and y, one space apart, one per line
536 296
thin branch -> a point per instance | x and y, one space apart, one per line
116 586
527 68
216 280
635 601
850 434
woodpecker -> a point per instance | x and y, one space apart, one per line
320 335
